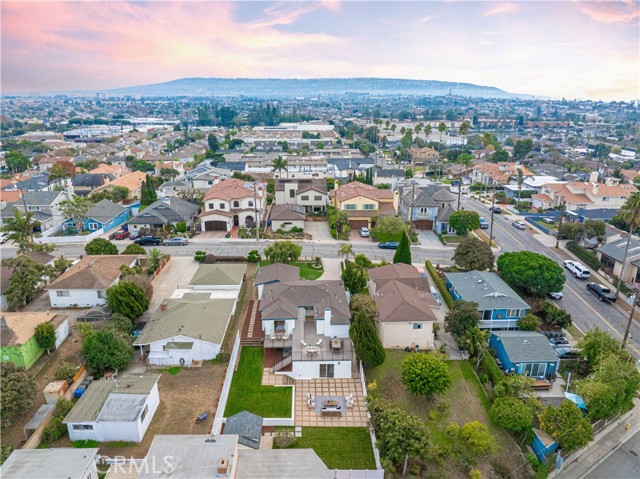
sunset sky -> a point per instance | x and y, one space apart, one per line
569 49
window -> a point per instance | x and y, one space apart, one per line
221 206
82 427
93 226
144 412
486 314
535 369
211 206
605 198
417 325
250 203
63 294
350 207
368 207
304 197
317 198
210 182
423 211
326 370
236 204
102 294
513 313
292 193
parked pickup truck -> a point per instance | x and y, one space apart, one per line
578 269
148 240
601 292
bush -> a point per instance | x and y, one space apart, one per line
54 431
452 429
439 282
128 299
475 474
253 256
181 227
134 249
99 246
45 335
478 439
65 371
529 322
425 374
489 367
209 259
587 257
285 439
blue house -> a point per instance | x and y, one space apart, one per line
499 306
525 352
105 214
543 445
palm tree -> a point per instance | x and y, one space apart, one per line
475 341
520 181
630 214
464 129
427 131
346 249
442 128
20 228
280 164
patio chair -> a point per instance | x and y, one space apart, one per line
273 337
311 403
285 336
350 402
304 345
319 342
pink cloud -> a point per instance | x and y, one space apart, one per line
611 12
500 9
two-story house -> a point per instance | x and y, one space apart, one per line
40 182
45 202
204 176
308 192
363 202
497 174
168 211
580 195
232 203
428 205
132 181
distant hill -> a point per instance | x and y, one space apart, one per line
280 88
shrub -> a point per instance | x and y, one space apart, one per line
209 259
134 249
433 415
253 256
128 299
65 371
529 322
200 256
425 374
452 429
475 474
489 367
478 439
54 431
181 227
587 257
439 282
45 335
100 246
285 439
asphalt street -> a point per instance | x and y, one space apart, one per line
586 310
624 463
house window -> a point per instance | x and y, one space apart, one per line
93 226
368 207
423 211
236 204
304 197
317 198
486 314
211 206
326 370
82 427
250 203
513 313
535 369
292 193
417 325
605 198
63 294
608 263
210 182
350 207
221 206
144 412
102 294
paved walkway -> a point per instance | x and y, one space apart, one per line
319 230
351 417
429 240
331 269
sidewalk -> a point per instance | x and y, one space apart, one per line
603 445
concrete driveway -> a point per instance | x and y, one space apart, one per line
175 275
331 268
319 230
354 236
429 239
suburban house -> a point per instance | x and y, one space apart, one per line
497 174
526 353
424 155
116 170
343 167
172 188
85 282
104 215
429 205
405 306
308 323
273 273
85 183
203 176
44 220
131 181
499 306
233 203
219 277
612 258
311 193
168 211
115 409
530 185
40 182
580 195
186 331
18 344
59 463
362 202
285 217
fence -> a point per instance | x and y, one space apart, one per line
69 239
224 394
376 453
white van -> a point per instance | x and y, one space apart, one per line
578 269
436 295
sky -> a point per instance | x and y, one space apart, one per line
571 49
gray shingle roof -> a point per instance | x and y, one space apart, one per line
104 210
486 289
277 272
526 346
616 249
288 212
247 426
281 464
218 274
170 210
41 198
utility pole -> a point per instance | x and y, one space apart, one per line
459 190
564 205
634 302
255 209
624 260
413 202
492 218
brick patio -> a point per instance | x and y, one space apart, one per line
351 417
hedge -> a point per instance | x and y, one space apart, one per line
489 367
588 257
439 282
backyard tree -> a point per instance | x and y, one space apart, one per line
212 141
128 299
475 341
464 221
354 278
532 273
529 322
76 209
388 228
403 253
597 344
595 229
400 435
65 371
106 350
566 425
363 306
478 439
46 336
18 388
100 246
17 161
366 342
556 317
463 317
522 148
515 385
134 249
62 169
283 252
512 414
24 280
425 374
473 254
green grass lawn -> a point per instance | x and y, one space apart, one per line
248 394
338 447
307 271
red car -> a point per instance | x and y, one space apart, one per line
120 235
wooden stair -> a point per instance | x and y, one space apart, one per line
279 365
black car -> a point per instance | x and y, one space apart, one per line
389 245
148 240
601 292
496 210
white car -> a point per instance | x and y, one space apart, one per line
556 295
364 232
3 238
578 269
519 225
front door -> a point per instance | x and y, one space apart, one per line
236 220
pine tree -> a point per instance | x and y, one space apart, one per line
151 190
403 253
144 194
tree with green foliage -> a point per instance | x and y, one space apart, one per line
121 324
473 254
128 299
529 322
515 385
595 229
522 148
512 414
45 334
280 164
475 341
478 439
566 425
100 246
362 261
354 278
555 317
106 350
283 252
499 156
134 249
5 452
408 173
532 273
346 249
253 256
425 374
24 281
363 333
464 221
463 317
20 229
212 141
401 435
17 161
597 344
76 210
403 253
388 228
65 371
339 221
17 392
362 305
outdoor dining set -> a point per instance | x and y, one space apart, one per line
330 406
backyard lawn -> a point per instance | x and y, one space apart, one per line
307 271
463 402
248 394
338 447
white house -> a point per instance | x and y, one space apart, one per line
286 217
233 203
85 283
186 330
115 410
58 463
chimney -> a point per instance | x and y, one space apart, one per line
223 467
596 187
164 306
593 177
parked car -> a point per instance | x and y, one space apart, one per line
549 221
558 341
148 240
436 295
601 292
364 232
177 241
134 235
578 269
567 352
120 235
519 225
389 245
484 224
3 238
556 295
553 334
495 210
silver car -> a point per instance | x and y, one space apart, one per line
176 241
519 225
